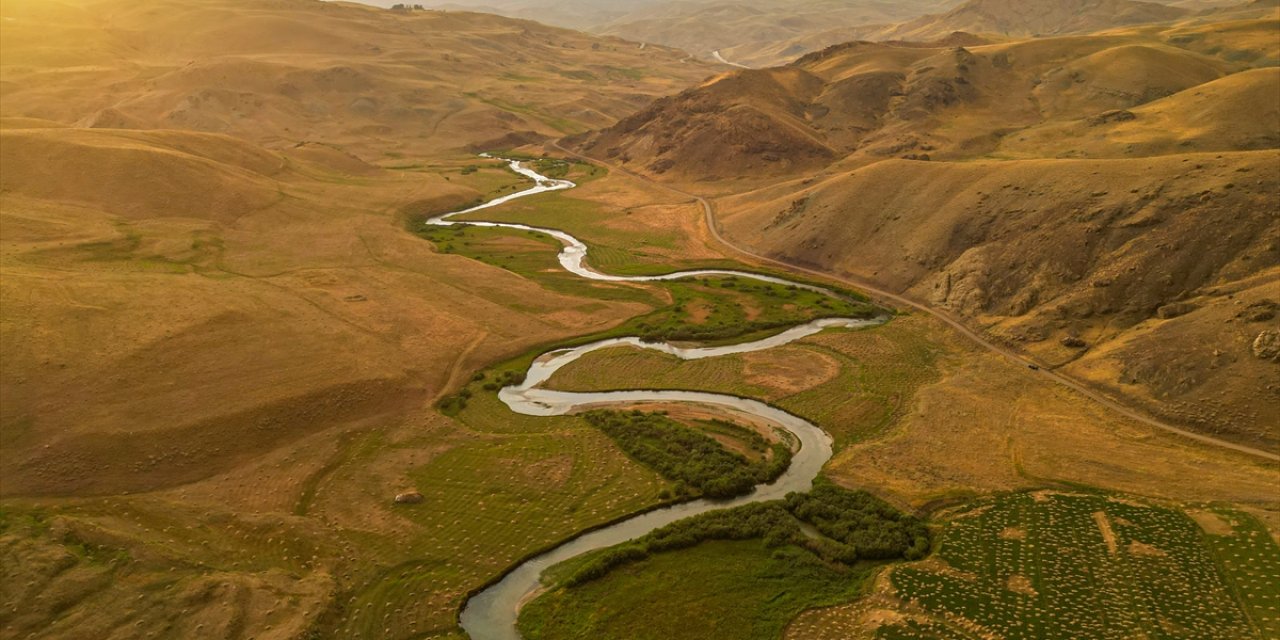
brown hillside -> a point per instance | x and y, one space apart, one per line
299 70
1113 191
1022 18
762 32
753 117
1239 111
204 176
862 102
1038 251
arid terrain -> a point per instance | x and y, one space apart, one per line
1055 191
248 391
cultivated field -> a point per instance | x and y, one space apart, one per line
1060 564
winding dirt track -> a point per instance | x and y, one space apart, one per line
961 328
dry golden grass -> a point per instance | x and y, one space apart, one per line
221 347
1114 252
989 425
383 85
209 403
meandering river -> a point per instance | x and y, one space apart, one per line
492 613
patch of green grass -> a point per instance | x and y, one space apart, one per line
612 250
628 73
726 300
852 526
919 630
1250 560
559 123
529 254
878 371
1054 565
491 500
718 308
751 569
725 589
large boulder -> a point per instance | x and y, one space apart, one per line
1267 345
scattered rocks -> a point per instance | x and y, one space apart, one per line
409 497
1073 342
1267 345
1115 115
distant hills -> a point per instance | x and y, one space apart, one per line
298 70
1023 18
759 33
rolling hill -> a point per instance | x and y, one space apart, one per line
211 297
413 83
228 346
1053 191
1023 18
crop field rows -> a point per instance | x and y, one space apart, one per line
1052 565
1247 554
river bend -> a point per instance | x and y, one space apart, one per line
491 614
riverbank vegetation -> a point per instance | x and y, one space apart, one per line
707 310
855 384
695 462
595 595
854 526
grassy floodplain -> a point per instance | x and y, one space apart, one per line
854 384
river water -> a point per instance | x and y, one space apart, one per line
492 613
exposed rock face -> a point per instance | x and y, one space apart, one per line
1267 345
1074 342
409 497
1114 115
1260 311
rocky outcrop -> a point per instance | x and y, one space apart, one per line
1267 345
1260 311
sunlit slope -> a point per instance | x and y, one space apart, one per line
204 176
1141 265
764 32
863 102
1022 18
176 304
1239 111
299 70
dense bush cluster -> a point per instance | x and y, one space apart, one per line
552 167
766 520
695 461
868 525
505 379
856 525
708 333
